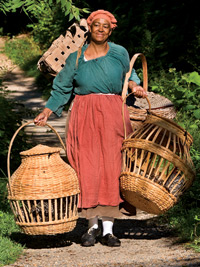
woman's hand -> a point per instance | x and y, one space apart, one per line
137 90
42 118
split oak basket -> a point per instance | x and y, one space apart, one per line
157 167
43 191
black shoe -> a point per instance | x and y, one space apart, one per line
110 241
89 238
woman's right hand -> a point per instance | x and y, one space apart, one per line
42 118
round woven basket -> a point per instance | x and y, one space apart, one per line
157 167
43 192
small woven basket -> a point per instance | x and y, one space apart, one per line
157 167
44 190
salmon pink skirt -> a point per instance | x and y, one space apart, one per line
94 142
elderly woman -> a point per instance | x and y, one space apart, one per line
95 132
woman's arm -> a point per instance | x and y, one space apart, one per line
61 91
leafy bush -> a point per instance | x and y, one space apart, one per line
183 90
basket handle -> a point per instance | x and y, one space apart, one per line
125 87
123 104
11 143
145 73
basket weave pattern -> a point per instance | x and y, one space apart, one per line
43 191
157 167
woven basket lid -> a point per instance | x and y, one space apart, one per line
156 100
39 150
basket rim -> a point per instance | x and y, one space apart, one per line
13 197
63 221
169 121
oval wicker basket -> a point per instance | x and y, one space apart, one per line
157 167
43 192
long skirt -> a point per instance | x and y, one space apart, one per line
94 141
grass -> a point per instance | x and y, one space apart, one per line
9 249
25 53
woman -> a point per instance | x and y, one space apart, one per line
95 132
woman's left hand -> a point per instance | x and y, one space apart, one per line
137 89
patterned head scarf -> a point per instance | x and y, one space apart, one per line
102 14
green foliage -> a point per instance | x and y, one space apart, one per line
4 6
5 206
9 250
196 233
25 53
9 122
182 89
167 32
7 223
49 25
49 18
11 114
30 7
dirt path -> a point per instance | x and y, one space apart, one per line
24 91
144 241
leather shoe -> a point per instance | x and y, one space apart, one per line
89 238
110 241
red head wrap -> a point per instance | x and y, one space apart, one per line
102 14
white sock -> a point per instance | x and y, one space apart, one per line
107 223
93 222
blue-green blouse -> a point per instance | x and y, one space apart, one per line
105 75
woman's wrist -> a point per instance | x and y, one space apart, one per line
132 84
47 112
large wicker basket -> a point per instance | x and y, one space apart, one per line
157 167
43 192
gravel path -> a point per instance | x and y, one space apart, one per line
144 241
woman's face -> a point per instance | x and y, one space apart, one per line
100 30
